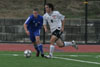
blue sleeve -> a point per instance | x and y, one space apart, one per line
28 20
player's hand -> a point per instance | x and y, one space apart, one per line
28 33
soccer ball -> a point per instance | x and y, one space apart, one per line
27 53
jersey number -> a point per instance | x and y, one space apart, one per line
51 21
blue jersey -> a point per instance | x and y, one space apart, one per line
34 24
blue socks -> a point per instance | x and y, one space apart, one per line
40 46
36 48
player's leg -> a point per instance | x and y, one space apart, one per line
52 47
32 38
52 41
55 35
40 46
37 49
60 43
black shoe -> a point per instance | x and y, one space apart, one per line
42 55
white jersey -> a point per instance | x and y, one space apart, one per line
54 20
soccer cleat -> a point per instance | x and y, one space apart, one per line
49 56
37 54
42 55
74 44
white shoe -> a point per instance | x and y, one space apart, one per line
74 44
49 56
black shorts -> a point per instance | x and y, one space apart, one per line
57 33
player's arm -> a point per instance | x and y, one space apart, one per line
45 28
25 25
45 24
26 30
63 21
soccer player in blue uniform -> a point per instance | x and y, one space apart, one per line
32 28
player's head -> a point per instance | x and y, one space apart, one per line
49 7
35 12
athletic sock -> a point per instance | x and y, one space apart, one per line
36 48
40 46
52 47
68 43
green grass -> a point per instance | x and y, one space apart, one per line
8 60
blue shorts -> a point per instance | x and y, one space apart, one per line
33 35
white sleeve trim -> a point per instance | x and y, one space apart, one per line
27 20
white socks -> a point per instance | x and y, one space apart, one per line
52 47
68 43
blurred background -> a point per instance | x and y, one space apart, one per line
82 20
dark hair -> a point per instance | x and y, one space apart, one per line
50 5
35 9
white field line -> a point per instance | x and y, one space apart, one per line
94 56
90 62
12 54
76 55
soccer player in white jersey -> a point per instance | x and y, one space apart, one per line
56 23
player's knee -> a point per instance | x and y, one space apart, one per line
38 41
51 41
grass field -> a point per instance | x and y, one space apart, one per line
16 59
